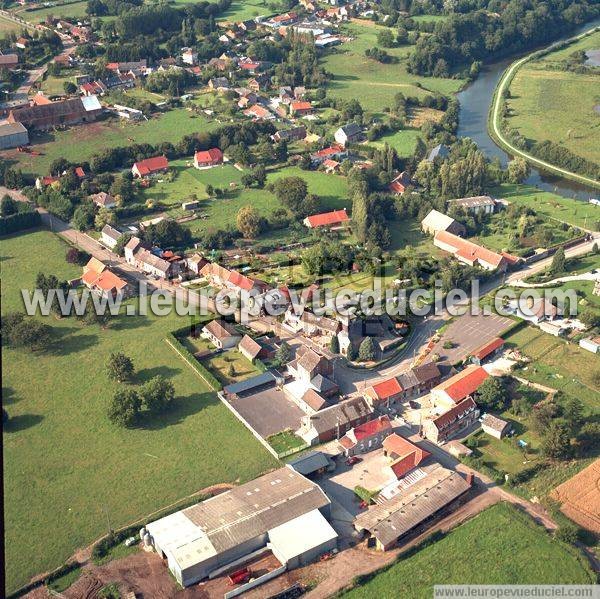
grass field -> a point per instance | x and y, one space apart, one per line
219 365
504 547
8 26
81 142
557 104
241 10
573 212
404 141
66 467
54 86
72 9
373 83
558 364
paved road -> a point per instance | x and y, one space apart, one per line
497 117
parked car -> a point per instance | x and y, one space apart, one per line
353 460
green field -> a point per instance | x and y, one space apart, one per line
404 141
573 212
54 86
81 142
66 467
219 365
499 546
375 84
558 105
242 10
72 9
8 26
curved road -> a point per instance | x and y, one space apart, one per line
496 117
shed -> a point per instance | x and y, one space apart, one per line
494 426
311 462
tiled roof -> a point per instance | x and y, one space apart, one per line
152 165
447 418
488 348
385 389
464 383
250 346
221 329
314 400
212 155
468 250
372 427
328 218
494 422
239 280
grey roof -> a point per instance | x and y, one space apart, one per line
309 462
256 381
342 413
322 384
221 329
427 372
148 258
111 232
256 507
393 518
351 129
494 422
11 129
473 202
440 151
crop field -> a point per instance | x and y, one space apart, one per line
375 83
505 547
558 105
79 143
573 212
67 468
558 364
72 9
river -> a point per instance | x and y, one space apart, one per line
475 101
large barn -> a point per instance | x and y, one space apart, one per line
54 114
282 510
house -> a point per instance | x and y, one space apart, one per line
22 42
400 183
240 282
130 249
109 236
150 167
259 113
282 20
219 83
73 111
331 166
195 263
367 436
153 265
470 253
451 423
333 422
206 158
308 364
437 221
103 200
440 151
9 61
260 83
98 278
333 219
189 56
404 456
293 134
494 426
310 324
300 108
539 310
257 349
384 393
460 386
221 334
591 344
332 153
281 511
487 350
350 133
388 523
215 274
13 135
475 205
312 402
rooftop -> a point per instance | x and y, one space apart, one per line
464 383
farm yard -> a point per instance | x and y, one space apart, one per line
505 547
375 83
541 90
67 468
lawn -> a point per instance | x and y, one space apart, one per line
573 212
68 10
242 10
558 364
504 546
81 142
66 467
285 441
373 83
220 365
539 97
404 141
54 86
407 234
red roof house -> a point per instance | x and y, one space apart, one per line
384 392
405 456
206 158
366 437
327 219
468 252
150 166
460 386
400 183
300 107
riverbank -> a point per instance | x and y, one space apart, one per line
495 114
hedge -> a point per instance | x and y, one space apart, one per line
187 355
19 222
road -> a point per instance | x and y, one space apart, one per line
497 117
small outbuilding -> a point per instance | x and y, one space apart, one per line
494 426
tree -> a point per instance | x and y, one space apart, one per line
557 441
385 38
541 416
249 222
518 170
366 350
157 393
291 191
69 87
283 353
19 330
75 256
119 367
558 262
573 414
124 407
590 318
589 436
123 240
493 394
105 217
8 206
83 217
567 533
334 345
231 370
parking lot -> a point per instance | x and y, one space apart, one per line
469 332
268 411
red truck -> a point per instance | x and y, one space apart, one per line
240 576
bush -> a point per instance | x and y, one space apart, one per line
568 533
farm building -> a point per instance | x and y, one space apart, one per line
53 114
458 387
487 350
436 221
336 218
348 134
476 204
13 135
390 521
282 510
470 253
9 61
404 456
451 423
494 426
150 167
367 436
591 344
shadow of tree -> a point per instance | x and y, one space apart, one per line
147 373
21 422
74 344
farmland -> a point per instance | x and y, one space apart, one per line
376 84
67 468
541 90
8 26
505 547
80 143
67 10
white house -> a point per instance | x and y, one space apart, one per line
109 236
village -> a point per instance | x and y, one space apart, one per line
292 450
